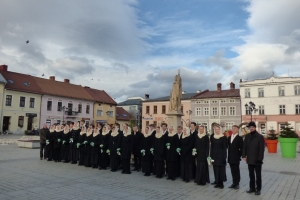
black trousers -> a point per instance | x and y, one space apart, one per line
137 161
255 170
42 150
235 172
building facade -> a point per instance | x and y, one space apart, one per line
221 107
123 117
277 101
2 87
154 110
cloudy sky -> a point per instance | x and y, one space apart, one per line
133 47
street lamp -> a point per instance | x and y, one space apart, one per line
251 108
138 117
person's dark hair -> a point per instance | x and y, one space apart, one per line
236 126
151 125
158 127
179 127
92 125
72 123
82 121
194 123
164 124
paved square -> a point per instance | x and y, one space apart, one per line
24 176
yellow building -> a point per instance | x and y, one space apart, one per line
104 106
21 102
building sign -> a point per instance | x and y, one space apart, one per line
158 118
254 118
101 121
31 115
148 118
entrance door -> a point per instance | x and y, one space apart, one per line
5 123
29 123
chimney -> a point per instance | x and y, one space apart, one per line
147 96
183 92
86 87
198 91
232 86
219 87
241 80
3 68
52 78
66 80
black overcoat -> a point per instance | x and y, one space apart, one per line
172 154
136 143
218 151
235 150
187 145
202 147
254 148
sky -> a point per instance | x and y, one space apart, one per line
136 47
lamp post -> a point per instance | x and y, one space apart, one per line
138 117
251 108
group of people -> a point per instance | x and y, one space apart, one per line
159 150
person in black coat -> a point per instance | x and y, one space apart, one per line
57 143
73 150
136 149
80 145
235 149
104 141
65 144
172 156
126 149
88 146
158 146
194 133
147 155
50 143
95 147
113 149
187 159
218 153
202 149
253 154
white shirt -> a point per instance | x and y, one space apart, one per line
233 136
179 135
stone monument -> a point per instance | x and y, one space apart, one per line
174 113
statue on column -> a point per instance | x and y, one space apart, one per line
176 94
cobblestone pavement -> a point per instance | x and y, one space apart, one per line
24 176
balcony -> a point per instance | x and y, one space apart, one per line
71 113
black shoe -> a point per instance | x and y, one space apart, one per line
214 183
217 185
128 173
173 179
168 178
49 160
232 186
100 168
138 170
237 187
221 186
250 190
134 169
73 163
257 192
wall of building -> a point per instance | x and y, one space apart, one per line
226 120
55 116
104 118
159 117
14 112
2 86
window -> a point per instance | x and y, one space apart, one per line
131 107
163 109
31 102
281 90
147 109
154 109
297 127
49 105
99 112
248 112
282 109
223 101
8 100
214 111
182 109
124 115
232 110
228 125
21 121
223 111
281 126
247 93
214 101
147 123
297 109
22 102
155 123
206 111
206 101
59 106
70 108
110 113
79 108
263 128
87 110
261 110
297 89
198 111
231 100
260 92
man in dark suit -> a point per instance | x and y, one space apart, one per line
235 149
136 148
253 154
193 128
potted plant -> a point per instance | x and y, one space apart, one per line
288 139
272 141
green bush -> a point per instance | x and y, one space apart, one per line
288 132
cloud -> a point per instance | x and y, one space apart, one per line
120 65
219 61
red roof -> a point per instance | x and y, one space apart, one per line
122 114
215 94
21 82
100 96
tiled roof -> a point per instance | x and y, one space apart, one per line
122 114
167 98
100 96
21 82
129 102
63 89
215 94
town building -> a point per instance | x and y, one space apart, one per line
2 87
123 117
220 106
154 110
277 100
20 102
104 106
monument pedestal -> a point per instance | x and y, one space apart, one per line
174 118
